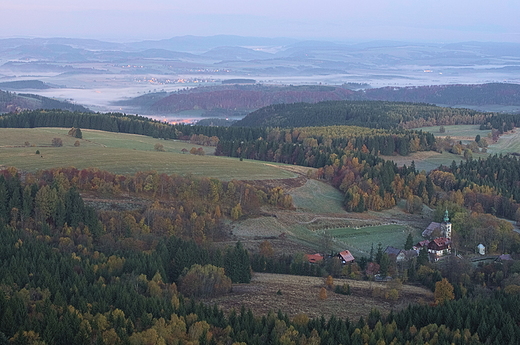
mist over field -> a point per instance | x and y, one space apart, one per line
98 74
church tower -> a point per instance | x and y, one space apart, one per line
446 226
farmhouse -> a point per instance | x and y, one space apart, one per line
346 257
314 258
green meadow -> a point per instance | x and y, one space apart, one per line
123 154
361 239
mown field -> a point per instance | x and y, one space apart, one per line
361 239
122 154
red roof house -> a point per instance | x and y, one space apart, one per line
346 256
313 258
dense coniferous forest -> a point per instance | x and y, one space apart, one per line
122 123
313 146
372 114
70 274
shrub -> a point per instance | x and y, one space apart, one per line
205 281
344 289
57 142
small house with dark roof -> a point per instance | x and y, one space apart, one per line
408 254
400 255
392 251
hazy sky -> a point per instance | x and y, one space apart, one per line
418 20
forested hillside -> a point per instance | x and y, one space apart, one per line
373 114
247 98
74 274
480 94
13 102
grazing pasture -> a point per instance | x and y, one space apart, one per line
123 154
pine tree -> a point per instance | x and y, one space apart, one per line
409 242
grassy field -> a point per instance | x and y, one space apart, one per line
122 154
460 132
361 239
507 143
318 197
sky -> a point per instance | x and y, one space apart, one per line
345 20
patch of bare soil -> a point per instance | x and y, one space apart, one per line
298 294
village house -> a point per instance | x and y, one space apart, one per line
346 257
314 258
400 255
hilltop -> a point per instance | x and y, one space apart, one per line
15 102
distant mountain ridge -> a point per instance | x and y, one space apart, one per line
252 97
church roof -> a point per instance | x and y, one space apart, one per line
430 229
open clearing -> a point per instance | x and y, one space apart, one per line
507 143
123 154
363 238
457 132
300 295
318 197
319 213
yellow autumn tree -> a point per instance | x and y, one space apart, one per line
443 291
329 282
323 294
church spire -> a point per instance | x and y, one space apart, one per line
446 217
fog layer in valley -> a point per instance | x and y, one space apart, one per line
96 74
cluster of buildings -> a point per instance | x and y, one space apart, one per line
345 257
437 242
438 239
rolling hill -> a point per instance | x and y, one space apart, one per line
248 98
13 102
